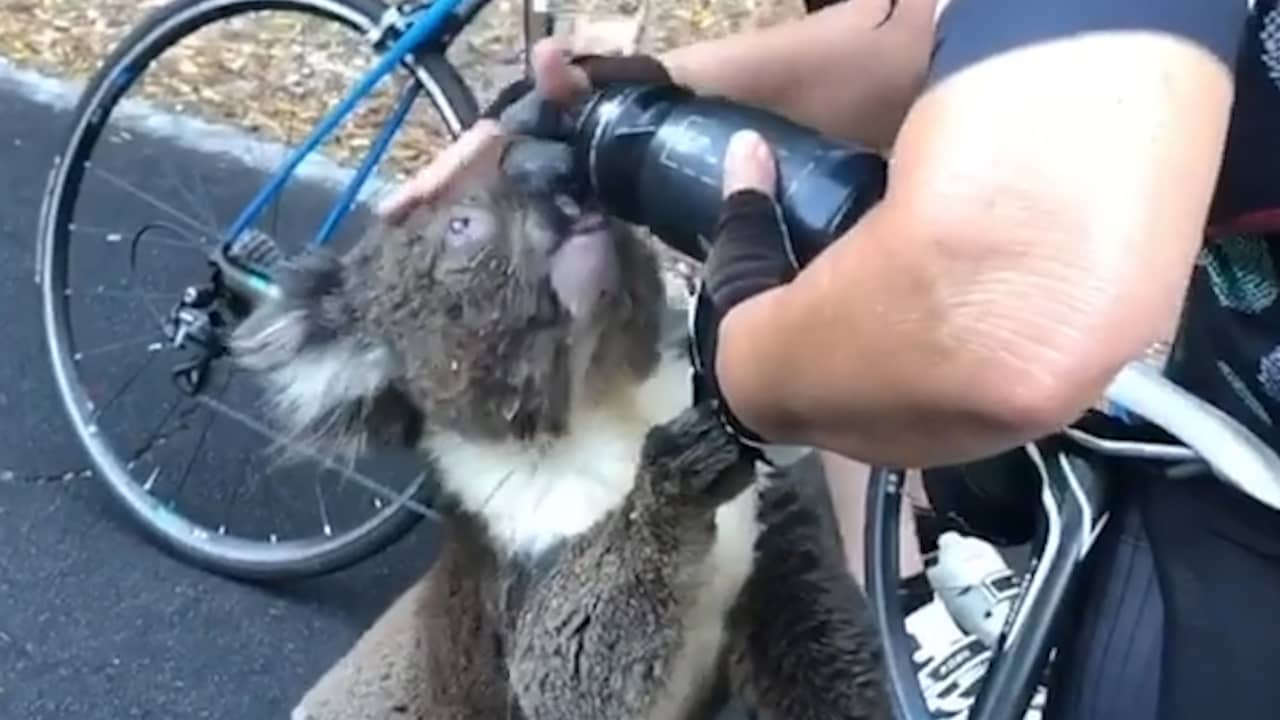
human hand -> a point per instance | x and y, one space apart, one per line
479 148
560 81
750 254
535 107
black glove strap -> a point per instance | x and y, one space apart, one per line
506 97
522 111
751 255
540 118
609 69
703 336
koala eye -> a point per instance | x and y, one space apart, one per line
469 227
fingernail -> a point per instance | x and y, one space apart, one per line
763 153
745 146
748 163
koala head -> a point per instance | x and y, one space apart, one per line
491 313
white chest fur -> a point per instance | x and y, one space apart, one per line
532 496
726 569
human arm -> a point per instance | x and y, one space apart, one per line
846 70
1044 210
849 70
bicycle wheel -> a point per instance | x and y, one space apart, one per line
193 148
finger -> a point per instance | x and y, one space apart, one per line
556 79
749 164
481 139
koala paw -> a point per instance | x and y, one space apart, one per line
694 459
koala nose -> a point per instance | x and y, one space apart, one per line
541 167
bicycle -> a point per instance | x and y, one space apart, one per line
411 38
1073 473
414 37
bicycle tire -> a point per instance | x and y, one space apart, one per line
160 30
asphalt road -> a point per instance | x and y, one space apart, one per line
95 622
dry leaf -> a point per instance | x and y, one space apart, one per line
276 75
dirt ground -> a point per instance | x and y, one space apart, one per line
275 74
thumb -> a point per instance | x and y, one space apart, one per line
749 164
556 79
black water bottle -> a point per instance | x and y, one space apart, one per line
653 156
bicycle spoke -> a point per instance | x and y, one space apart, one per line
139 295
154 439
109 235
100 409
204 434
274 233
324 510
234 498
204 210
186 471
116 237
156 315
151 480
203 190
359 478
268 489
144 297
201 248
156 346
157 435
129 307
154 201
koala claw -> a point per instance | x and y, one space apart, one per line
693 458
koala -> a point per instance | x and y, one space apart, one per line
608 552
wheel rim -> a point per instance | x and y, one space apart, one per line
212 545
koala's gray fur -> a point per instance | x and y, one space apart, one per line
680 581
605 649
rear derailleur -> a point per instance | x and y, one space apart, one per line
202 319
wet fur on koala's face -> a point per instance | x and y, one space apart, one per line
490 313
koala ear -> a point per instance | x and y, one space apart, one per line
328 384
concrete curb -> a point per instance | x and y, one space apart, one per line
198 135
378 677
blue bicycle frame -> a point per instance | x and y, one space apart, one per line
427 26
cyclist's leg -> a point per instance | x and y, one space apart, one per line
847 483
1217 558
946 650
1108 666
1178 608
